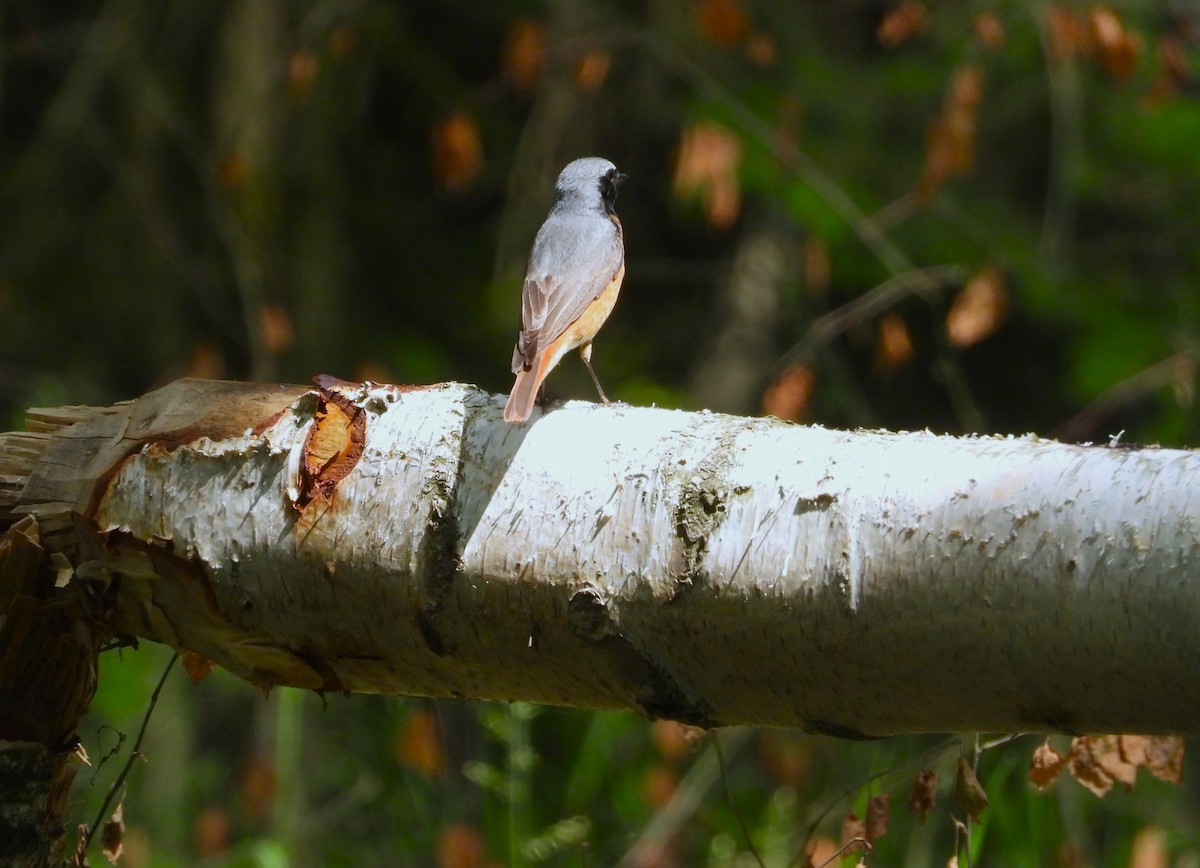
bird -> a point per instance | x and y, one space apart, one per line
572 280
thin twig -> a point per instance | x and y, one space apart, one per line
687 799
949 371
968 824
923 282
1066 145
960 830
857 839
741 821
1181 365
133 755
108 754
1004 739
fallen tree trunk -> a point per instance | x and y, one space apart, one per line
712 569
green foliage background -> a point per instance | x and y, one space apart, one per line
174 174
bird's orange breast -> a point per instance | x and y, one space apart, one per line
584 329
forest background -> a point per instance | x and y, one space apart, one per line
968 217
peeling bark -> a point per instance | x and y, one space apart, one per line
49 644
713 569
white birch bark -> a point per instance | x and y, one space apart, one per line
713 569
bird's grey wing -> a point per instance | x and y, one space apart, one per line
534 299
573 261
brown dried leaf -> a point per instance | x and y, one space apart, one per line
1164 757
232 172
206 363
966 90
901 23
592 70
707 164
724 203
524 55
659 784
275 328
924 793
460 846
112 835
1068 32
1045 765
302 71
879 814
979 309
1106 751
950 144
258 788
419 744
1069 855
853 827
1149 849
212 831
821 851
762 50
656 854
457 152
894 346
1174 62
722 22
783 756
1097 761
676 740
1084 768
196 666
989 30
968 794
789 396
1116 47
1133 749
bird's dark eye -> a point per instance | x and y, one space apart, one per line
608 188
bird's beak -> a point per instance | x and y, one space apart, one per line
619 177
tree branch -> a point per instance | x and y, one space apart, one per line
712 569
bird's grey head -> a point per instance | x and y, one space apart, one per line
590 181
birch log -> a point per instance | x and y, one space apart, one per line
712 569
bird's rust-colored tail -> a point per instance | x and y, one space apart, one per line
524 391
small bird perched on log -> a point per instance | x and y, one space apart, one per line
572 280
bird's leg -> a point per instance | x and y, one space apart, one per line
540 398
585 353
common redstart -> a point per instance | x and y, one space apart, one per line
572 281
